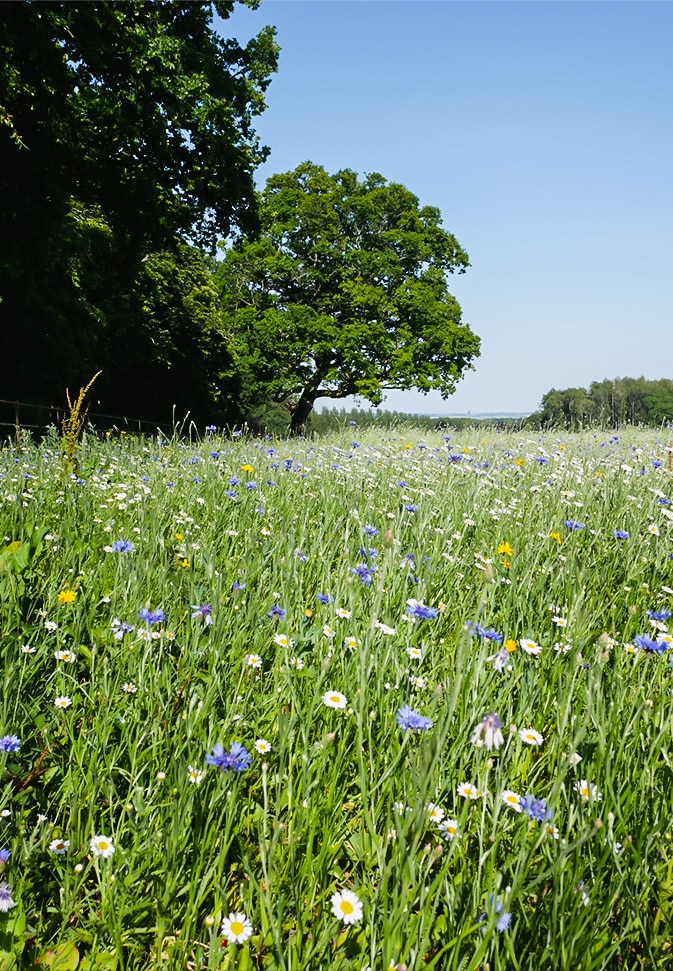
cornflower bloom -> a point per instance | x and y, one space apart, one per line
120 628
204 612
152 616
276 612
649 645
6 899
489 732
417 610
364 573
10 743
236 759
572 525
535 809
122 546
411 721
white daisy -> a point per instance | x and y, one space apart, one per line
346 906
334 699
236 928
530 736
102 846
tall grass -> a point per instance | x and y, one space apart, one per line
510 539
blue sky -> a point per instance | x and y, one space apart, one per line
543 131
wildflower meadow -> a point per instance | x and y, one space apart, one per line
362 702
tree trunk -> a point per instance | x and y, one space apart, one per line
301 411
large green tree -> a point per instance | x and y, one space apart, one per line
125 127
345 292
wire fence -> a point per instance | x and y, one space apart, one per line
16 416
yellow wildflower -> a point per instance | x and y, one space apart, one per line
556 536
505 549
519 462
247 468
510 645
67 596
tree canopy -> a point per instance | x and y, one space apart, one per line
345 292
612 402
126 130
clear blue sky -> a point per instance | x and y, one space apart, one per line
543 131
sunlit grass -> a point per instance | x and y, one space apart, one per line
225 545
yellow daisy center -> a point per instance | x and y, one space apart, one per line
347 907
237 927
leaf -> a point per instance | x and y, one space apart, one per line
64 957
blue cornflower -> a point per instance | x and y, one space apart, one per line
658 614
276 611
663 501
214 455
535 809
5 855
235 760
237 586
230 493
122 546
6 899
419 610
496 906
120 628
572 525
211 428
649 645
204 612
657 464
234 481
364 572
410 720
371 552
10 743
488 633
541 459
250 485
371 530
411 507
152 616
324 598
403 484
620 534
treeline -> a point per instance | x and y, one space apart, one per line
134 242
608 403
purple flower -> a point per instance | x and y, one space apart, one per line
204 612
491 729
496 907
410 720
620 534
152 616
6 899
277 612
10 743
419 611
364 572
489 634
122 546
535 809
237 586
658 614
4 855
324 598
649 645
120 628
500 659
235 760
410 507
572 525
371 530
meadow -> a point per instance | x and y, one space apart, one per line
368 701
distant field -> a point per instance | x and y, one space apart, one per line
369 701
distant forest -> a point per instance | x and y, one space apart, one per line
608 403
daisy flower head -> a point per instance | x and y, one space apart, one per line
530 736
102 846
194 775
351 643
253 661
343 613
529 647
282 640
59 847
512 799
67 656
415 653
334 699
435 813
129 687
262 746
63 701
448 828
468 791
236 928
346 906
653 528
588 791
